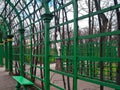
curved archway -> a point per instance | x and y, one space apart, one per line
16 11
4 26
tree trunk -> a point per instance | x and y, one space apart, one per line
118 26
103 27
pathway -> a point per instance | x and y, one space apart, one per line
6 81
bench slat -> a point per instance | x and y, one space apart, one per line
22 80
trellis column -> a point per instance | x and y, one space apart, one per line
47 18
1 53
6 54
10 54
75 5
21 31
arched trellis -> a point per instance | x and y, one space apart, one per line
21 28
16 11
5 26
3 35
79 59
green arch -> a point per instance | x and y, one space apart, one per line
4 30
16 11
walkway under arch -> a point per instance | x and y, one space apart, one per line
6 81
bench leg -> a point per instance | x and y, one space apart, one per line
17 86
25 88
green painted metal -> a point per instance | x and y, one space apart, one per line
47 18
1 55
16 11
4 26
75 43
10 54
21 31
23 81
1 49
6 55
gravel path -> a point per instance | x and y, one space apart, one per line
6 81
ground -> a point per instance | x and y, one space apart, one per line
7 83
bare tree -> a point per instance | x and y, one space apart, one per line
118 27
102 19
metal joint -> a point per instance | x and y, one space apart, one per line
21 31
1 43
47 17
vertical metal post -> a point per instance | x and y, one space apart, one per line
31 55
75 6
21 51
6 54
10 55
17 86
47 18
1 53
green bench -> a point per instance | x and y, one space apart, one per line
21 81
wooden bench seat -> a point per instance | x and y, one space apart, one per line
22 81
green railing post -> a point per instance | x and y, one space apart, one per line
17 86
21 31
75 43
1 53
47 18
6 55
10 55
